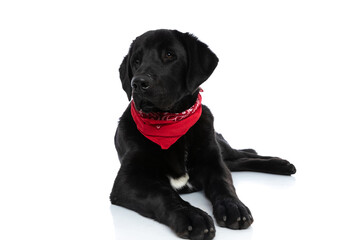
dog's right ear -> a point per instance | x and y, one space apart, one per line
126 75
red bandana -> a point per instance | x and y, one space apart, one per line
166 128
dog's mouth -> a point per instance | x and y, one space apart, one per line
164 103
146 106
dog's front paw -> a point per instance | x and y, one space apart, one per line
232 213
193 223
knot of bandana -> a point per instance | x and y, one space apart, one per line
164 128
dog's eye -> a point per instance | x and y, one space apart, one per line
137 62
169 56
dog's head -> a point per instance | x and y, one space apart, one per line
165 67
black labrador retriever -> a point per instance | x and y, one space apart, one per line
167 144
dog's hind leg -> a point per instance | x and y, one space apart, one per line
249 160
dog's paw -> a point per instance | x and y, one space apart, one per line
232 213
249 150
193 223
281 166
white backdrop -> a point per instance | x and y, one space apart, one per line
286 85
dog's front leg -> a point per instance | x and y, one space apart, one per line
228 210
152 196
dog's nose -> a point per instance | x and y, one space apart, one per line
140 83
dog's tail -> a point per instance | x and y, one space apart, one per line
249 160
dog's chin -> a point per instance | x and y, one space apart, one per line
147 107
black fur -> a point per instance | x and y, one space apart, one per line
162 72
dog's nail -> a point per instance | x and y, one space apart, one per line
238 219
189 228
224 218
212 230
206 230
244 219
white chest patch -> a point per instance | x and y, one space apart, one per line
179 183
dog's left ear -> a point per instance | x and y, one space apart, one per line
201 61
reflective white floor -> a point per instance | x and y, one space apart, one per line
62 206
